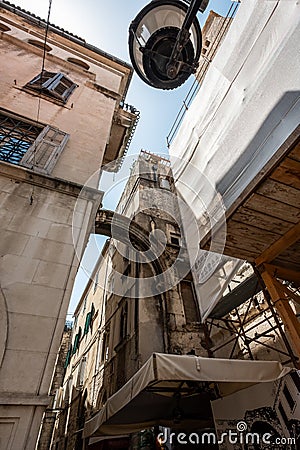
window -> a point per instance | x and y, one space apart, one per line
123 322
154 172
40 44
68 357
81 373
84 304
88 320
105 346
79 63
175 238
52 84
87 323
289 397
76 341
189 302
164 183
296 379
29 144
283 414
127 269
96 282
4 28
16 137
102 398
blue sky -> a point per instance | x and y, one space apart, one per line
105 25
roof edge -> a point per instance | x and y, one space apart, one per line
61 32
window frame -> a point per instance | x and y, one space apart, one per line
190 304
164 183
45 143
17 132
105 346
123 326
289 397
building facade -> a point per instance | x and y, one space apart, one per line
115 331
49 149
252 161
257 320
213 34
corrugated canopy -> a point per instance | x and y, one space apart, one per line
149 397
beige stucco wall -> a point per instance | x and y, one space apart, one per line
44 225
16 425
38 264
90 348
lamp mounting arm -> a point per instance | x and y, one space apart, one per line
173 66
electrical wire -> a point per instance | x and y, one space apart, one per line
44 58
40 90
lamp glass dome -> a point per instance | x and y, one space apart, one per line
152 37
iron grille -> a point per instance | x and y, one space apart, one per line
16 137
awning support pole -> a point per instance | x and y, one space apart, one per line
284 309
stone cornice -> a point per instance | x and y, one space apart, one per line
22 174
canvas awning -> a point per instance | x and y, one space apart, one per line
148 399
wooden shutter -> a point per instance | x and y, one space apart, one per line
43 154
43 80
53 84
61 87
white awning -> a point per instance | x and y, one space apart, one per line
147 399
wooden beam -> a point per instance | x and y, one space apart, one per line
285 292
290 294
262 221
281 192
289 319
283 273
289 148
288 239
288 173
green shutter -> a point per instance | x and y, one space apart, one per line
87 323
88 320
92 310
76 341
68 357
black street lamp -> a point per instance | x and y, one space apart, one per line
165 42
